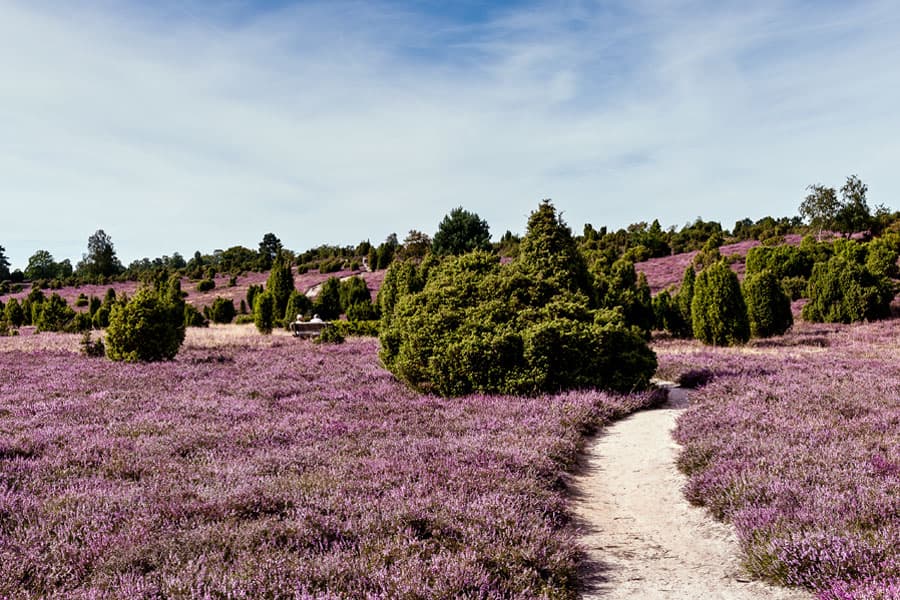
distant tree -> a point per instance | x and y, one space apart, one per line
718 310
854 214
354 291
222 310
269 248
416 245
41 266
280 283
768 307
264 312
4 265
461 231
100 260
820 207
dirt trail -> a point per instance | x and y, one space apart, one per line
644 539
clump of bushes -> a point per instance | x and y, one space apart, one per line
204 285
330 335
844 291
92 348
529 327
264 312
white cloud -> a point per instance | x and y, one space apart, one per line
177 129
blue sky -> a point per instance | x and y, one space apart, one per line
186 125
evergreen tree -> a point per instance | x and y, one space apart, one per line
148 327
4 265
768 307
461 231
719 314
264 312
13 313
328 303
280 284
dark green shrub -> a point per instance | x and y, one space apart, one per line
328 303
768 307
80 322
718 311
362 311
93 304
204 285
298 305
100 320
13 313
244 320
882 255
193 317
55 314
232 281
357 328
243 309
843 291
402 278
222 310
353 291
794 287
621 286
783 261
461 231
82 300
330 335
523 328
90 348
264 312
148 327
252 291
280 284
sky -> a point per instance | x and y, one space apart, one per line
183 125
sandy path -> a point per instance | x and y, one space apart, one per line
644 539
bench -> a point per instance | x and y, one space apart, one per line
306 329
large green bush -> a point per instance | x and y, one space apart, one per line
148 327
782 261
718 311
528 327
280 284
844 291
299 304
14 314
768 307
55 314
328 302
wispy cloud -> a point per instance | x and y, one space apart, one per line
193 126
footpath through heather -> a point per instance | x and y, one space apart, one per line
643 538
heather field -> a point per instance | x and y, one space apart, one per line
266 467
796 442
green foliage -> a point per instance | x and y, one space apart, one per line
844 291
461 231
820 207
782 261
42 266
82 300
280 283
359 328
148 327
768 307
328 303
622 287
523 328
854 214
402 278
298 304
55 314
13 313
222 310
100 319
673 313
718 311
329 335
100 262
90 348
264 312
252 292
269 248
4 265
354 291
244 320
362 311
193 317
882 255
204 285
794 287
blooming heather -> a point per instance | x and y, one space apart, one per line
267 467
796 442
